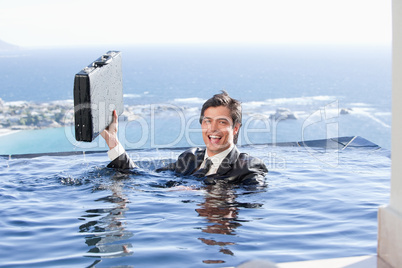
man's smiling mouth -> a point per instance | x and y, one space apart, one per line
214 138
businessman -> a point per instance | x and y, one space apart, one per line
220 161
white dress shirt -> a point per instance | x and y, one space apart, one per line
216 160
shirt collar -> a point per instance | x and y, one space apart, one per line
217 159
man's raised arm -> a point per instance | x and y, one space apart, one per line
116 153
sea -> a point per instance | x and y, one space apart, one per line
329 91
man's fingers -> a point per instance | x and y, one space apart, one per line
115 117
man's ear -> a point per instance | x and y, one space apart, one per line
236 128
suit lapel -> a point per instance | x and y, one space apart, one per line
200 158
228 162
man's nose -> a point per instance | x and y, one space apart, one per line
213 126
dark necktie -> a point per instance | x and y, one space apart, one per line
202 171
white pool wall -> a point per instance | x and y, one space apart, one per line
390 216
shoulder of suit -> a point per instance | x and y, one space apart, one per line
251 162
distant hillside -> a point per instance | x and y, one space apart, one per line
7 46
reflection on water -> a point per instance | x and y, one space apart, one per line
107 235
221 210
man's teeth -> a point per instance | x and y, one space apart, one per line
214 137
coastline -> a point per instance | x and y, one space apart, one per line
24 115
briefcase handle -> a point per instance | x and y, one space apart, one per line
105 59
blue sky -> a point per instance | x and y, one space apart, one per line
90 22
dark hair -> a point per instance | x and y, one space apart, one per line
223 99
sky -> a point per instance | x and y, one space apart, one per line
39 23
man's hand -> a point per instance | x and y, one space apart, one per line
110 133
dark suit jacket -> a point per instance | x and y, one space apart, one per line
236 167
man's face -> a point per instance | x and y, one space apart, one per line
218 130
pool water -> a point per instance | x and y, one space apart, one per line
70 210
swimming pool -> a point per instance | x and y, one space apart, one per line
70 210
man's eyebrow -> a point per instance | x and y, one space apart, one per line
222 118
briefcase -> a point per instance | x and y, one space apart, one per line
98 90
